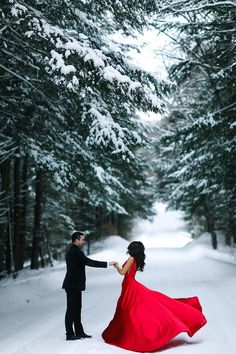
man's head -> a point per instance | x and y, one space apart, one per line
78 239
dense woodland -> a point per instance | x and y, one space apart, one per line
74 153
196 159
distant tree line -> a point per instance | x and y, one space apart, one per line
196 149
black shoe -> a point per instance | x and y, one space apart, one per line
84 335
72 337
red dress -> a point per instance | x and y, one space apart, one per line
145 320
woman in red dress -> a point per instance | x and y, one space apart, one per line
146 320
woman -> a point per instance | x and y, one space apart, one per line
145 320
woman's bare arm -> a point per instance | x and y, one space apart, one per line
126 267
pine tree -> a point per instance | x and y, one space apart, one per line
197 159
69 96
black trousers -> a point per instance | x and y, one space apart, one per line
73 312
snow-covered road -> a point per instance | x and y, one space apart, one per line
32 306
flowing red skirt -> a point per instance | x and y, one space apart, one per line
146 320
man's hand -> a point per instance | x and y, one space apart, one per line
112 263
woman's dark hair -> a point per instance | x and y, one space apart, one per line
136 249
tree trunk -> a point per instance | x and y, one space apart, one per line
37 220
230 235
41 254
50 260
214 240
227 238
9 239
5 189
88 245
17 216
99 221
210 223
24 211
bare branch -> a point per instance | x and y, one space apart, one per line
19 59
207 6
26 81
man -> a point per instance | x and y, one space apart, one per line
74 284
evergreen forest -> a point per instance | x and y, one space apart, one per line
75 153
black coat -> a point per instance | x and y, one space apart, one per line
76 261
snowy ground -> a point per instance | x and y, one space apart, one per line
32 306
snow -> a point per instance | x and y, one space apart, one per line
96 56
146 58
83 17
233 125
105 177
110 74
152 98
57 62
18 9
32 306
104 129
159 232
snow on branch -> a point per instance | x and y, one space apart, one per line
64 48
104 130
110 74
18 10
106 178
180 5
57 62
7 148
211 5
58 167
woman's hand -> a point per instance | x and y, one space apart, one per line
112 263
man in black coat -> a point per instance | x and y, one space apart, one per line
74 284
